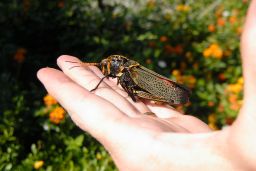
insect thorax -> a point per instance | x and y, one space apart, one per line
113 65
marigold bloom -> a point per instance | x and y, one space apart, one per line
211 28
178 49
189 80
176 73
210 103
221 22
38 164
212 118
218 53
214 50
213 126
49 100
234 88
239 30
240 81
207 52
20 55
57 115
163 39
235 106
183 8
232 98
232 19
222 77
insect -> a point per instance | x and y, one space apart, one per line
140 82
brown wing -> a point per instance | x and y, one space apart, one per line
160 86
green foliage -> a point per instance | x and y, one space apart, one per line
193 42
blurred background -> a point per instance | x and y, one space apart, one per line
194 42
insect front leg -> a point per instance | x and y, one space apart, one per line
99 83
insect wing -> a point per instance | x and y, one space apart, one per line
160 86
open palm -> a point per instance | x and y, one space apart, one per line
170 141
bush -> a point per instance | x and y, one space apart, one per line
195 43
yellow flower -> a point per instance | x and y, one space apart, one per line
240 81
234 88
218 53
57 115
189 80
183 8
38 164
207 52
212 118
176 73
213 50
213 126
49 100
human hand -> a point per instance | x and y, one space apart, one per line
170 141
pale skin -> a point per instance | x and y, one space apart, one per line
169 141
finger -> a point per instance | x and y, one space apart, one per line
139 105
248 46
163 110
87 79
90 112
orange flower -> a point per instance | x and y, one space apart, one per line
207 52
232 98
38 164
214 50
213 126
232 19
20 55
212 118
234 88
235 106
240 81
222 77
163 39
239 30
57 115
178 49
221 22
218 53
49 100
189 80
211 28
176 73
212 121
210 103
